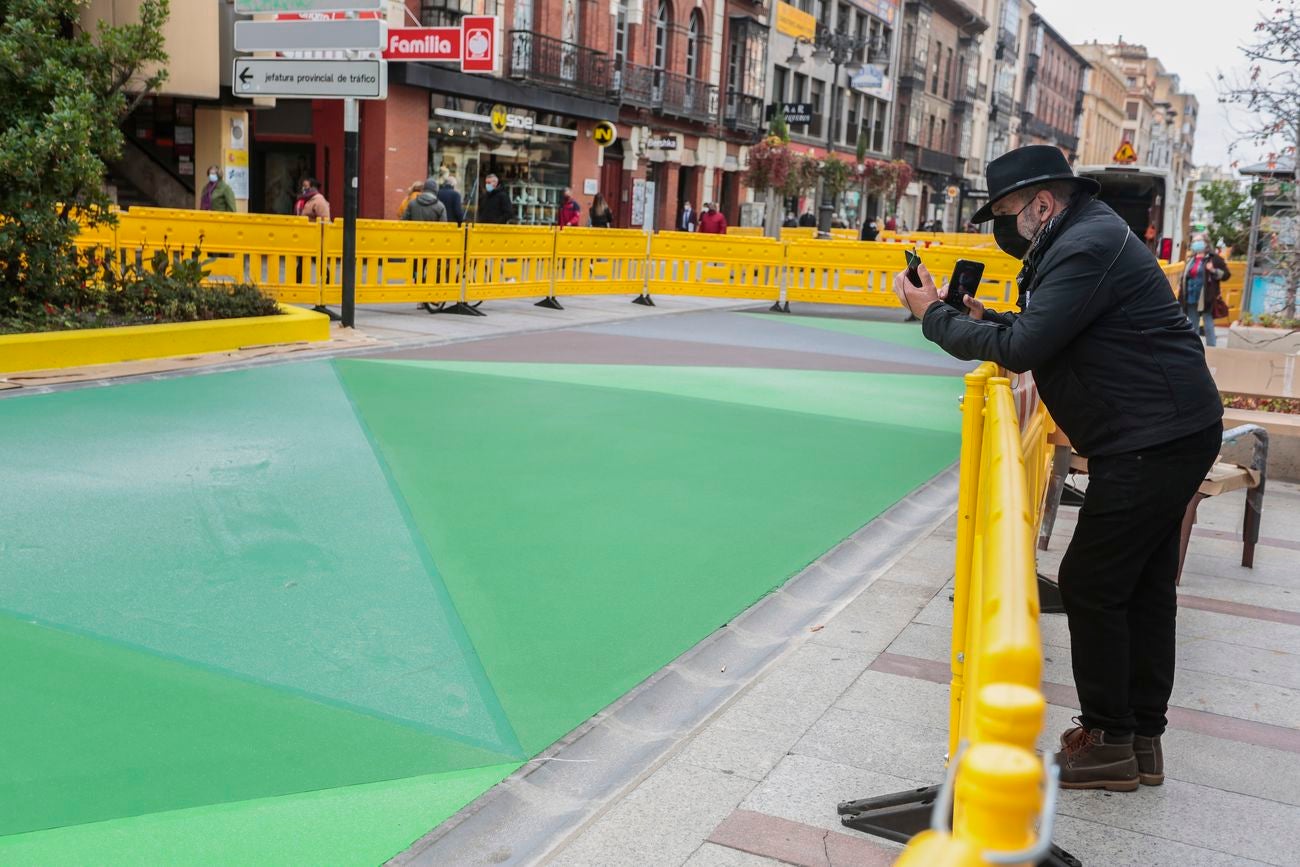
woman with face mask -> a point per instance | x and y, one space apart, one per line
217 195
1198 291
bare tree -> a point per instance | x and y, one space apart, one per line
1270 93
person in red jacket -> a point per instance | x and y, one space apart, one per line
712 221
570 211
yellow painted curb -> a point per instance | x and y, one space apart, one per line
56 349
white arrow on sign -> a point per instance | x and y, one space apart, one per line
349 33
253 7
310 79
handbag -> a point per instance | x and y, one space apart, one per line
1219 308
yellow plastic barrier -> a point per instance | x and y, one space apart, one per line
842 272
746 231
282 255
397 261
509 262
798 233
715 266
600 262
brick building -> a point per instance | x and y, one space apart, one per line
1052 94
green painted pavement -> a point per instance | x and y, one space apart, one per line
928 402
899 333
360 825
589 535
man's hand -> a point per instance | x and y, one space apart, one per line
917 299
974 307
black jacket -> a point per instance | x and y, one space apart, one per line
451 201
1115 360
496 207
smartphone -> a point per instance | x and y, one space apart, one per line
966 277
913 262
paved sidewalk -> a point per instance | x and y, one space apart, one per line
859 707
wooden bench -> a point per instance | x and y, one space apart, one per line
1222 478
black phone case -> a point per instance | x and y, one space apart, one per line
957 289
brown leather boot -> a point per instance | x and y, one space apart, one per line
1091 759
1150 759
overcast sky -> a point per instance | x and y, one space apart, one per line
1194 39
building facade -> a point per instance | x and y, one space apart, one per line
1101 127
938 86
850 106
1051 94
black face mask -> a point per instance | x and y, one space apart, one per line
1007 235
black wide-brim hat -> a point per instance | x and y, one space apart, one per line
1025 167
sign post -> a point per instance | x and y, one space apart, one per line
351 169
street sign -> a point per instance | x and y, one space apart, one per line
358 34
499 118
424 43
795 112
662 142
1125 154
480 43
952 192
310 79
604 133
253 7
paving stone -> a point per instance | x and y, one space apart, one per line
662 821
1201 816
1194 623
713 855
894 697
1093 843
871 621
805 789
908 750
745 752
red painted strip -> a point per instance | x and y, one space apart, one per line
1188 719
797 843
1268 541
1239 609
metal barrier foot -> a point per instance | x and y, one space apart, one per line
1058 857
777 308
1049 596
334 317
644 301
460 308
550 302
1071 496
899 816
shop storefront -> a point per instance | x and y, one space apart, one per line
530 152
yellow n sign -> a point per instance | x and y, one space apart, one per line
604 133
1125 154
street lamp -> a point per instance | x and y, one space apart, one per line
840 49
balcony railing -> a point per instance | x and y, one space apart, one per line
687 97
742 112
933 161
560 65
638 87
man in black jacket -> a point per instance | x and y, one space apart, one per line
495 205
1123 373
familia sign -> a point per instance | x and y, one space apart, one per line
473 44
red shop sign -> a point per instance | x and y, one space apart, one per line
423 43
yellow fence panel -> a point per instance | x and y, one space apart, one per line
798 233
600 262
279 254
746 231
397 261
508 261
842 272
715 266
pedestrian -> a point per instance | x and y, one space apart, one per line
601 216
304 186
807 220
217 194
427 207
1123 374
416 189
570 212
1199 290
688 218
313 204
891 224
495 206
711 221
451 201
790 221
870 228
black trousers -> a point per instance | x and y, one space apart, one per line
1117 580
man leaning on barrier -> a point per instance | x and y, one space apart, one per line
1124 375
